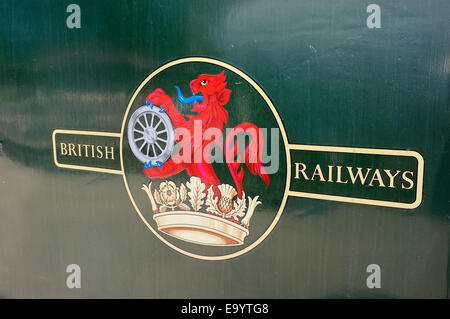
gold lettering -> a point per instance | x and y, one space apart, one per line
63 147
378 178
358 174
72 149
318 172
391 177
297 171
406 179
99 151
89 150
86 154
339 172
109 152
330 173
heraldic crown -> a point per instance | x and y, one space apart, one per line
193 213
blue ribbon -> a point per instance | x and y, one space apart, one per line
187 100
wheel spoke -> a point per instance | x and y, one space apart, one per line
138 139
142 146
141 132
160 132
146 121
140 123
148 149
153 148
151 122
157 144
161 139
157 125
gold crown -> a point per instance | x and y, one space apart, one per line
224 223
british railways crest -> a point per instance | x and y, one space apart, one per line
208 168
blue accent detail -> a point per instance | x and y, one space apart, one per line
162 110
147 102
145 166
159 163
151 105
187 100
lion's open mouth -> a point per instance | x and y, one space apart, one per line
187 100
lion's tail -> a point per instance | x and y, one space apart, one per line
252 156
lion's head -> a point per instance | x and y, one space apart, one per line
212 87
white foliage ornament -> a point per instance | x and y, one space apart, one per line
196 193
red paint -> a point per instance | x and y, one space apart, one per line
212 114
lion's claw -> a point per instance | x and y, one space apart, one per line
159 98
147 102
149 164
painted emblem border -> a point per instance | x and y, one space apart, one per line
283 134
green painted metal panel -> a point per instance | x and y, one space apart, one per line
333 81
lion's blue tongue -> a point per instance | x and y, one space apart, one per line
187 100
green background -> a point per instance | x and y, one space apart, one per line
333 81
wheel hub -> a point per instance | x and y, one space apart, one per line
150 135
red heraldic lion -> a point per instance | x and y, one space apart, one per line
211 114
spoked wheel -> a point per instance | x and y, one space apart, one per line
151 135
